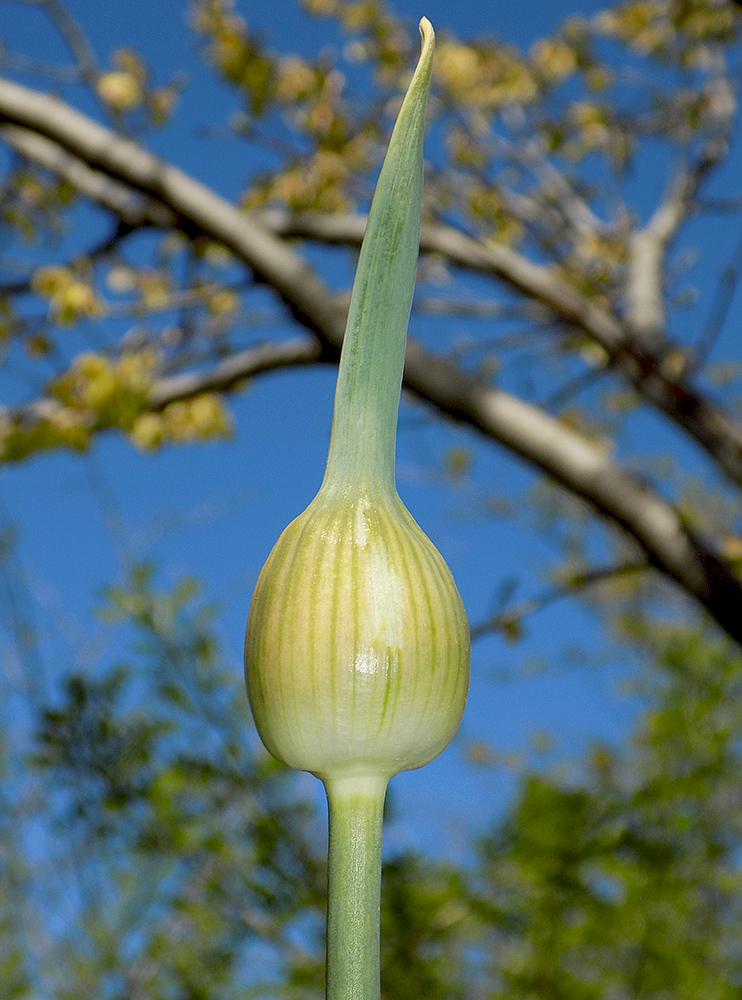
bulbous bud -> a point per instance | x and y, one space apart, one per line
357 645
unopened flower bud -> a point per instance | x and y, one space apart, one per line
357 641
357 646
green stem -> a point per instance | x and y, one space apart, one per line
370 376
356 807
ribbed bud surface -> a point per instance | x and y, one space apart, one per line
357 646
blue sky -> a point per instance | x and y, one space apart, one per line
215 510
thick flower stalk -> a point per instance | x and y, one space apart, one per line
357 646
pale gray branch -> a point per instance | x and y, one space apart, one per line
645 289
555 187
234 369
133 209
534 280
705 420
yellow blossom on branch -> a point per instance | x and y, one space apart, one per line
120 90
70 296
554 59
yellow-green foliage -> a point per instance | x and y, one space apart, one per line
98 393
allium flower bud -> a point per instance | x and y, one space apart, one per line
357 641
357 646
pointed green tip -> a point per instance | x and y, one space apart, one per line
370 375
428 35
428 45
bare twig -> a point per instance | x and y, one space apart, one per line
19 63
479 309
573 387
72 34
556 189
238 367
727 286
509 620
186 298
719 204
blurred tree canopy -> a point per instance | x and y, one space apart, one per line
580 254
176 863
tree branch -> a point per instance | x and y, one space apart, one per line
582 468
298 286
226 374
555 188
542 441
509 621
703 419
73 36
725 291
133 209
645 298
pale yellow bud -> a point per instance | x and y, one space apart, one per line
357 649
120 90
